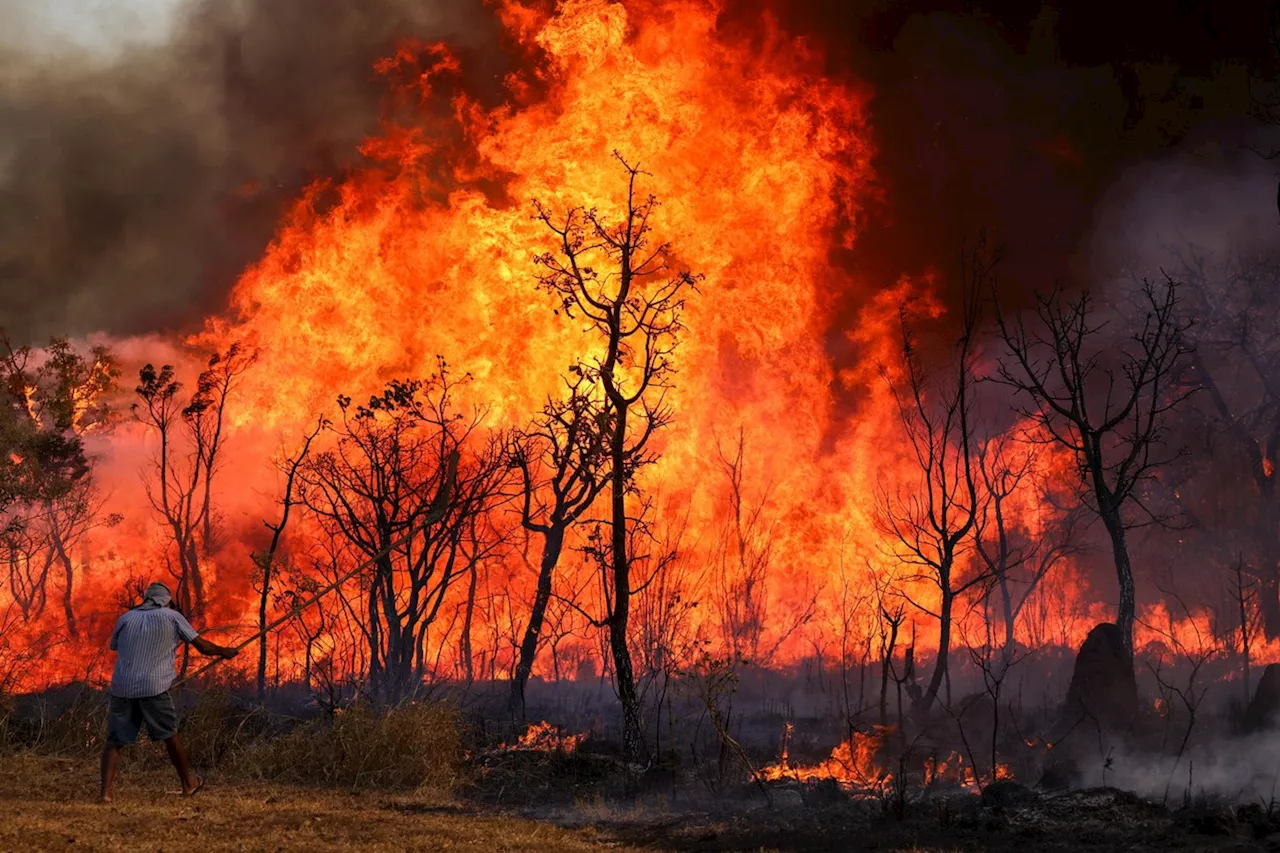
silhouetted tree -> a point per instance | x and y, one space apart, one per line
930 521
623 284
1230 494
390 460
49 400
562 461
264 561
190 436
1105 398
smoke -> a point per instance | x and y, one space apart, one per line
140 170
1242 769
1220 202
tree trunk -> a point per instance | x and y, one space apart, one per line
262 625
1006 602
944 648
619 619
551 546
464 642
68 586
1127 611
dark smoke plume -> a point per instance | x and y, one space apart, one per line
133 187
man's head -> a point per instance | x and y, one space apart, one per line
157 594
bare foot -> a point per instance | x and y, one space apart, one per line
106 798
194 789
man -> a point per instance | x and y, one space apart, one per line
146 640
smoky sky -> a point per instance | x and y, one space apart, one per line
134 187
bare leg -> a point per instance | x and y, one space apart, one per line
110 761
178 755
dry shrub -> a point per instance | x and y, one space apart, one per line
67 722
417 746
218 730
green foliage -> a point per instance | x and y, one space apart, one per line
48 399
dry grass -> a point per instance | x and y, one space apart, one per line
415 746
48 804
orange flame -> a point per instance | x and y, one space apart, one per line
762 161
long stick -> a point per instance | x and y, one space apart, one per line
435 513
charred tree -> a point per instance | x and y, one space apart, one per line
392 459
614 276
191 439
930 522
1235 363
563 464
264 562
1105 398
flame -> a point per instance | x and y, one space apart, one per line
762 162
544 737
862 762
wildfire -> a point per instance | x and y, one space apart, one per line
762 162
863 762
544 737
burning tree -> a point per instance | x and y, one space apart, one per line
392 459
1105 399
191 436
625 286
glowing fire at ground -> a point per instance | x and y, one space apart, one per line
864 763
545 737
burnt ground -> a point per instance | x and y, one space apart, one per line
1098 819
579 792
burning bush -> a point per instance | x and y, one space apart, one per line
416 746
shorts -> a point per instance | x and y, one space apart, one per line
125 718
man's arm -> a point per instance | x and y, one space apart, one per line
213 650
189 635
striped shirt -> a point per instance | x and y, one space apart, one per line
146 640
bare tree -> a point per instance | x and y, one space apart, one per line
563 462
264 562
67 520
374 489
624 285
930 521
1235 361
191 437
1190 654
1103 397
1013 555
744 557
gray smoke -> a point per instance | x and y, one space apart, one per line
144 159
